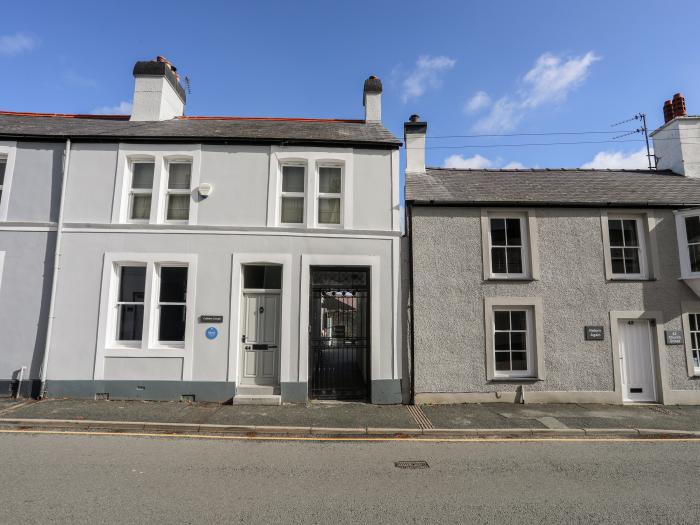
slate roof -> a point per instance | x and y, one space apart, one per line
576 187
214 129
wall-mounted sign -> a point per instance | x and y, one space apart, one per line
594 333
674 337
211 332
211 318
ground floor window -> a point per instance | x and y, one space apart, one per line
151 304
511 342
694 322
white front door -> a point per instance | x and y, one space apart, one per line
637 361
260 339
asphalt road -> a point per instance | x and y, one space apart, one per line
121 479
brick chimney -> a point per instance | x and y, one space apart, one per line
414 137
158 94
676 143
372 99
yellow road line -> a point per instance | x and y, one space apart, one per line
353 439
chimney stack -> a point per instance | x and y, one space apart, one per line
158 94
372 99
414 137
675 144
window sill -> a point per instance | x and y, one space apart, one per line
631 279
514 380
510 279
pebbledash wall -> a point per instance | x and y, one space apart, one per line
233 226
449 305
28 212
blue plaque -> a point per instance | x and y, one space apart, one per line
211 333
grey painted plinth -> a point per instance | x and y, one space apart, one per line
144 390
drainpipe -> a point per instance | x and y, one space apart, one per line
19 381
409 232
56 263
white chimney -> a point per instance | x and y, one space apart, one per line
677 142
158 94
372 99
414 137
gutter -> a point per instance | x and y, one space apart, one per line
56 264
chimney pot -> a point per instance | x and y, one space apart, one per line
668 111
414 118
679 105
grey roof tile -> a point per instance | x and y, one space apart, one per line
322 131
553 187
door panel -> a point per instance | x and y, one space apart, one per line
636 361
260 347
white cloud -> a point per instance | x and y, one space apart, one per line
479 101
123 108
426 74
478 162
619 160
548 82
475 162
11 45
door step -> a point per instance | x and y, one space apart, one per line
257 399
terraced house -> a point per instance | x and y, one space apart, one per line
164 256
557 285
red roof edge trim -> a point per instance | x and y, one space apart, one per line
274 119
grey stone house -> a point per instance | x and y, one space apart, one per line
556 285
203 258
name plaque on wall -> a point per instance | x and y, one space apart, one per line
674 337
594 333
211 318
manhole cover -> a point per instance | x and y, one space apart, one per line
411 464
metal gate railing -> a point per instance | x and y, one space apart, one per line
339 342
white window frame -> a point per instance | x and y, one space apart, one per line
294 194
529 240
318 196
529 341
311 158
8 150
169 161
157 304
140 191
535 337
149 346
641 248
162 155
684 253
689 308
648 260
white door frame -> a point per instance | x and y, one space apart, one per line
658 357
238 260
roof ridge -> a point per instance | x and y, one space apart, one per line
184 117
528 170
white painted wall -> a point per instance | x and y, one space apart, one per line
155 99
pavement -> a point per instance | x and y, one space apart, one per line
172 479
493 419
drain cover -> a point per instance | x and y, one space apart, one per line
411 464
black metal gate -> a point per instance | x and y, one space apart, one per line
340 337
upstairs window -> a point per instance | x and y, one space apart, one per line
3 167
692 234
508 246
130 303
626 247
141 194
178 192
329 195
292 200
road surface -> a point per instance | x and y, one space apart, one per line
123 479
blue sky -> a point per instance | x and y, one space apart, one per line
467 67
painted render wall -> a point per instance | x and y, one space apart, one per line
449 293
73 350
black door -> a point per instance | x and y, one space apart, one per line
339 339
